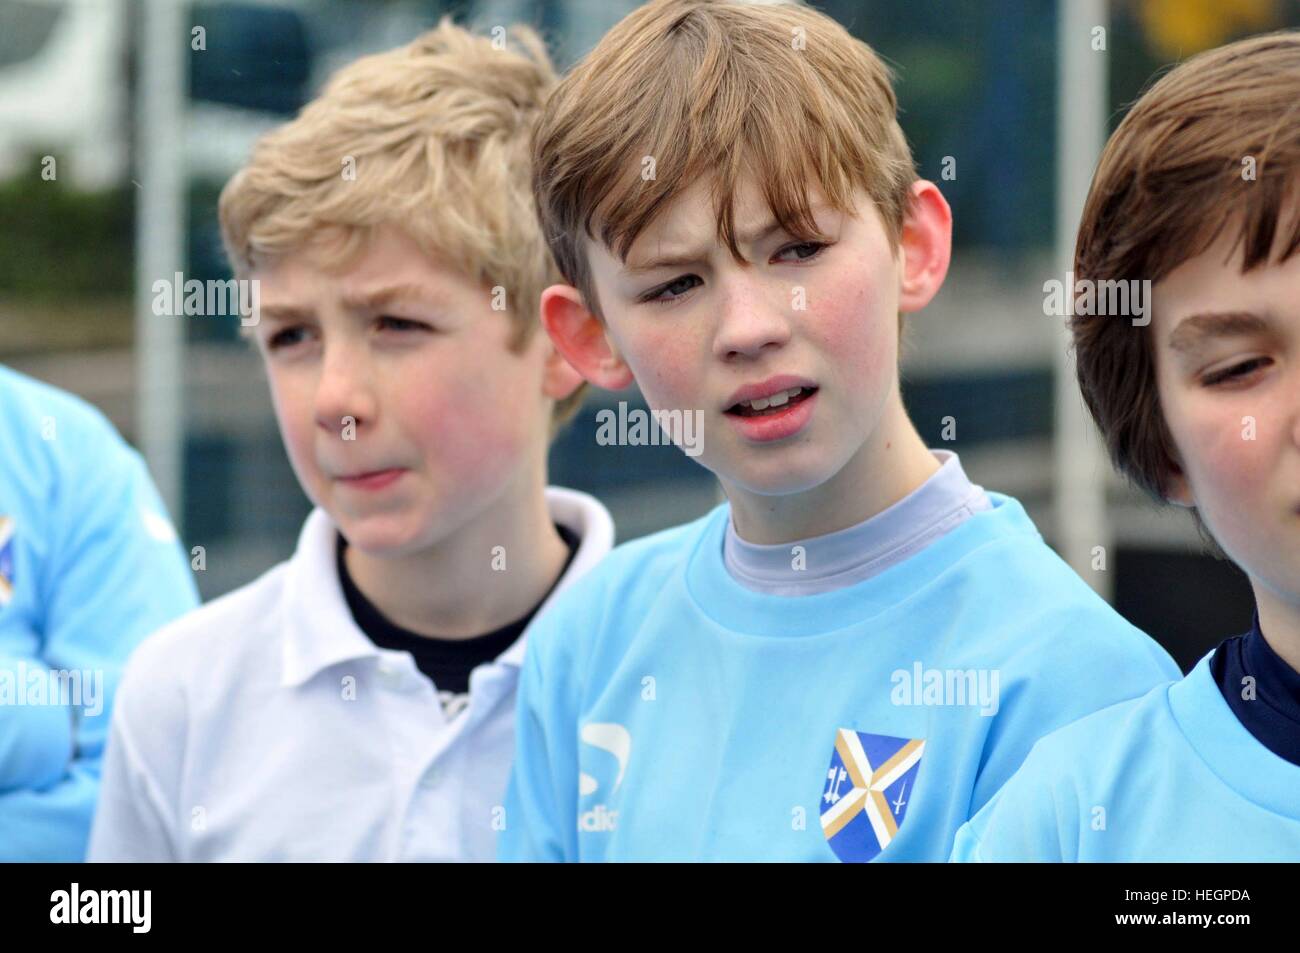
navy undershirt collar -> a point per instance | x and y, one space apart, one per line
1272 716
447 662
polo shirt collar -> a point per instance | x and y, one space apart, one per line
319 628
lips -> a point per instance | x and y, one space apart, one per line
761 406
372 479
772 410
774 423
768 395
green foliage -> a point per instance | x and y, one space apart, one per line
59 242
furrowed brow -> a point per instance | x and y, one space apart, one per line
682 259
379 298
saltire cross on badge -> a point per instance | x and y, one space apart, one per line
867 790
6 560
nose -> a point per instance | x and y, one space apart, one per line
345 395
750 318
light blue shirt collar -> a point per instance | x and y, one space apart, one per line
1231 751
849 556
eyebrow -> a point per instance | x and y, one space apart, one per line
284 312
374 299
680 259
1196 331
366 300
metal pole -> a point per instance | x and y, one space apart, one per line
160 241
1080 467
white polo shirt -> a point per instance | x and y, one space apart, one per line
267 726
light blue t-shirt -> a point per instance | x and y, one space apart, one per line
1171 776
89 566
666 712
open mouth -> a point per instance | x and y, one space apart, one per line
775 404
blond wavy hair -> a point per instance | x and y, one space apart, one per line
437 136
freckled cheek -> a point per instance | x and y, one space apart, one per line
856 335
667 368
468 430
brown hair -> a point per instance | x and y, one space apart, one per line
1171 180
438 132
712 90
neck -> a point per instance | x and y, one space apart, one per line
454 589
892 463
1279 622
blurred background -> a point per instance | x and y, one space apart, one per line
1006 103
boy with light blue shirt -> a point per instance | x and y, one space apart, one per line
89 565
1205 414
853 654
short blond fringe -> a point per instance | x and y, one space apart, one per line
438 134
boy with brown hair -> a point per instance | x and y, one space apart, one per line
356 702
1198 192
852 654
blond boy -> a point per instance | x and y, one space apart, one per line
356 702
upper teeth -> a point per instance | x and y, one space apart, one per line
776 400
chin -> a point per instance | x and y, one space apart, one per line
384 535
780 481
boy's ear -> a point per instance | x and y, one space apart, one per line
926 246
580 336
1176 489
559 378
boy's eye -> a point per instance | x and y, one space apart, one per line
389 323
804 251
1235 372
285 337
678 285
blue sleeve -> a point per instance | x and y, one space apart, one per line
35 740
113 572
1088 661
1033 818
966 849
50 824
541 822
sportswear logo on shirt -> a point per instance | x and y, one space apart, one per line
614 739
866 793
6 560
